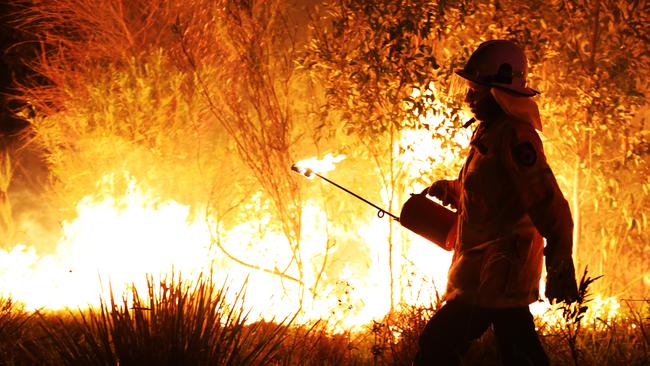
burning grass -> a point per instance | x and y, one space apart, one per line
182 322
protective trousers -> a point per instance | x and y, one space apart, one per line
449 333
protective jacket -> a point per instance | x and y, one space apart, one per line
507 200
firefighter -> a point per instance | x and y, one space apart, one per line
507 201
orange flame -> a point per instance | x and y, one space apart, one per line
118 240
326 164
113 239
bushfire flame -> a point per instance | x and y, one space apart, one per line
118 241
115 241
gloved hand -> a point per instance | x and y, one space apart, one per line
440 190
561 280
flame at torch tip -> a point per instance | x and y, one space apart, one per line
308 167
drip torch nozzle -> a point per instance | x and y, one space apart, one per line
306 172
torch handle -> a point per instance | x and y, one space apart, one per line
381 210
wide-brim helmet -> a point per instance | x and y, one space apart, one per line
500 64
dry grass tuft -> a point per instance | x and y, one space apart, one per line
176 323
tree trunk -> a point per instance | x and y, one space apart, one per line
575 206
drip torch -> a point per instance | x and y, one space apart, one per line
419 214
309 172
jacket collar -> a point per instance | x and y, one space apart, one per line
520 107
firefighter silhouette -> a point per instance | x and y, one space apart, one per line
507 201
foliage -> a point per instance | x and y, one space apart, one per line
589 60
142 115
591 70
214 113
200 323
13 319
176 323
6 217
78 37
395 338
136 109
255 108
574 313
370 56
103 90
376 61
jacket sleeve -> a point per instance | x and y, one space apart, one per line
538 191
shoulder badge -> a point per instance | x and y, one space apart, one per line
524 154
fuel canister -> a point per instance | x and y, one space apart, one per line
430 220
